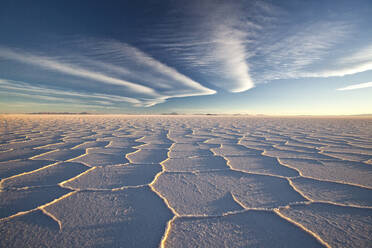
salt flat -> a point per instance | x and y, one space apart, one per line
185 181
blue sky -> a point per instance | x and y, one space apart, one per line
249 57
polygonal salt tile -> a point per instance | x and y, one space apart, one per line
12 202
195 164
212 193
51 175
336 225
248 229
111 177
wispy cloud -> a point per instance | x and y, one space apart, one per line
127 67
47 93
294 54
195 49
153 72
351 63
216 45
357 86
229 50
74 70
237 45
341 71
362 55
309 49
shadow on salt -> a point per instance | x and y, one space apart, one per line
181 150
51 175
260 164
125 218
234 150
21 154
62 155
104 156
318 190
197 193
14 201
111 177
248 229
333 170
11 168
338 226
195 164
148 156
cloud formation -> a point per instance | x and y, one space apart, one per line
357 86
154 82
358 61
17 88
298 53
193 48
210 38
152 72
74 70
229 49
237 45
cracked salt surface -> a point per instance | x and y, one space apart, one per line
185 181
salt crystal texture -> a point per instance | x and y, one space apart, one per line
185 181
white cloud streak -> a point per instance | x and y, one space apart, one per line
230 45
357 86
158 81
230 50
311 50
340 72
74 70
211 39
363 55
62 95
294 55
155 70
356 62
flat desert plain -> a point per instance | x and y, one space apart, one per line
185 181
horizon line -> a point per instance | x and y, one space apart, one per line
192 114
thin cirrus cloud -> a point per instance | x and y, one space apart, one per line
354 68
158 82
362 55
229 49
155 71
356 62
357 86
73 70
297 54
193 49
236 46
359 60
18 88
211 39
